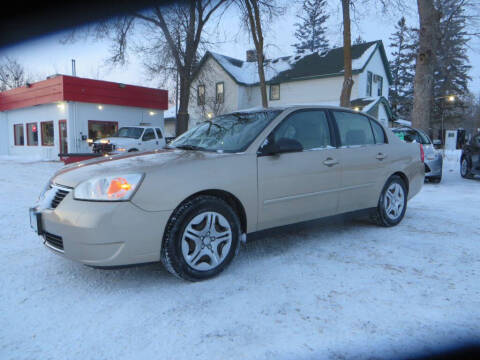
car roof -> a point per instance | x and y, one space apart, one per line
293 106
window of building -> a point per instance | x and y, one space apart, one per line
201 95
32 134
18 134
275 92
354 129
219 93
101 129
380 86
378 132
369 83
47 133
309 128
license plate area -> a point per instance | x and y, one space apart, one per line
36 221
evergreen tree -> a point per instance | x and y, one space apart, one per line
404 42
451 70
311 30
358 40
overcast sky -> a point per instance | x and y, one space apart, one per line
45 56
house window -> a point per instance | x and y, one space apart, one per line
32 134
18 134
275 92
201 95
101 129
47 133
380 85
369 83
219 95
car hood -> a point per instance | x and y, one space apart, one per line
142 162
118 140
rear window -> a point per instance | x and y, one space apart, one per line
159 133
354 129
411 135
378 132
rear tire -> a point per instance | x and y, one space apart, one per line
392 203
201 238
465 169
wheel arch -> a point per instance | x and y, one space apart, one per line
403 177
228 197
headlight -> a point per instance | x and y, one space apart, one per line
121 149
109 188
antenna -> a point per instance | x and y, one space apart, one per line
74 69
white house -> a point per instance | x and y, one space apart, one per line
58 115
223 84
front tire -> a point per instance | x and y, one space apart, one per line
392 203
201 238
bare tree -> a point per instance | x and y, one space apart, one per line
179 30
347 56
12 74
386 7
256 14
424 70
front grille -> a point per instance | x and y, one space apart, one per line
54 241
103 148
60 194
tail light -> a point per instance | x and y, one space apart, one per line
422 153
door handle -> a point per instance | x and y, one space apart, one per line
381 156
330 162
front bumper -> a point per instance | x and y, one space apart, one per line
103 233
433 168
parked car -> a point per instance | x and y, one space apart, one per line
433 157
470 158
131 138
191 204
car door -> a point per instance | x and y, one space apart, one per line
475 155
364 162
160 138
301 185
149 141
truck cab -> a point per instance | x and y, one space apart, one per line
131 138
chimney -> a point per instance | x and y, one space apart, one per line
251 55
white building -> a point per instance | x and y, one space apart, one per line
223 84
58 115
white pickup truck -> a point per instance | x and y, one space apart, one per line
131 138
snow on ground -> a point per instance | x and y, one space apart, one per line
326 289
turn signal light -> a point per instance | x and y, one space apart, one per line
118 187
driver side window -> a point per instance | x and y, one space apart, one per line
148 135
310 128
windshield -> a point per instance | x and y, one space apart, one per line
129 132
410 135
229 133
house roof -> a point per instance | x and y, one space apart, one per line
70 88
370 105
300 67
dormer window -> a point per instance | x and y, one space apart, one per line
369 83
201 95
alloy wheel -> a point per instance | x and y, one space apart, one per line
394 201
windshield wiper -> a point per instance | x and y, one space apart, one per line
189 147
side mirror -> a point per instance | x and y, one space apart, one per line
283 145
